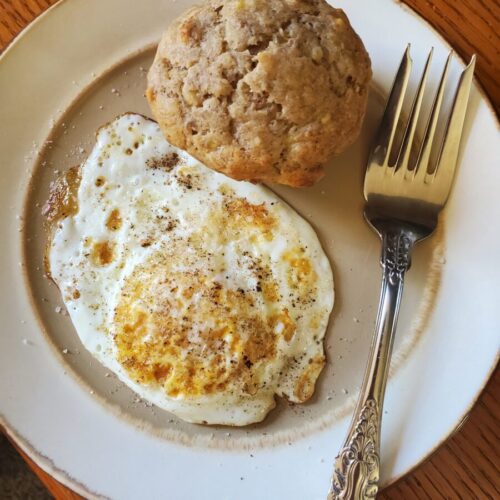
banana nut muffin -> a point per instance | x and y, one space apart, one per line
261 90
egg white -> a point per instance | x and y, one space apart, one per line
160 208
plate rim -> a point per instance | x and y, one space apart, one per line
46 464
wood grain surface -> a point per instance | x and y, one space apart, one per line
467 465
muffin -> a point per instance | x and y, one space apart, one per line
261 90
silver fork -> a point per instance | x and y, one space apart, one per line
403 201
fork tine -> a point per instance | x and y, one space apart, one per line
430 130
387 129
448 155
406 146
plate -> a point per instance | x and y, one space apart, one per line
84 62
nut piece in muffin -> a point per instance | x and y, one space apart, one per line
261 90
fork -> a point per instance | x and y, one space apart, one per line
403 202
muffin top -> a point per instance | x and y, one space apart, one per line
261 90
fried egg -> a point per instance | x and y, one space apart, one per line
206 296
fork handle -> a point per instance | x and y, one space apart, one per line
357 466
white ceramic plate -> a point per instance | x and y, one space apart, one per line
56 84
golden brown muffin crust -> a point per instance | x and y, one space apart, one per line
263 90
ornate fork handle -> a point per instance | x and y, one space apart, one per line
357 466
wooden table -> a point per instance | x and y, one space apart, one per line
467 465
